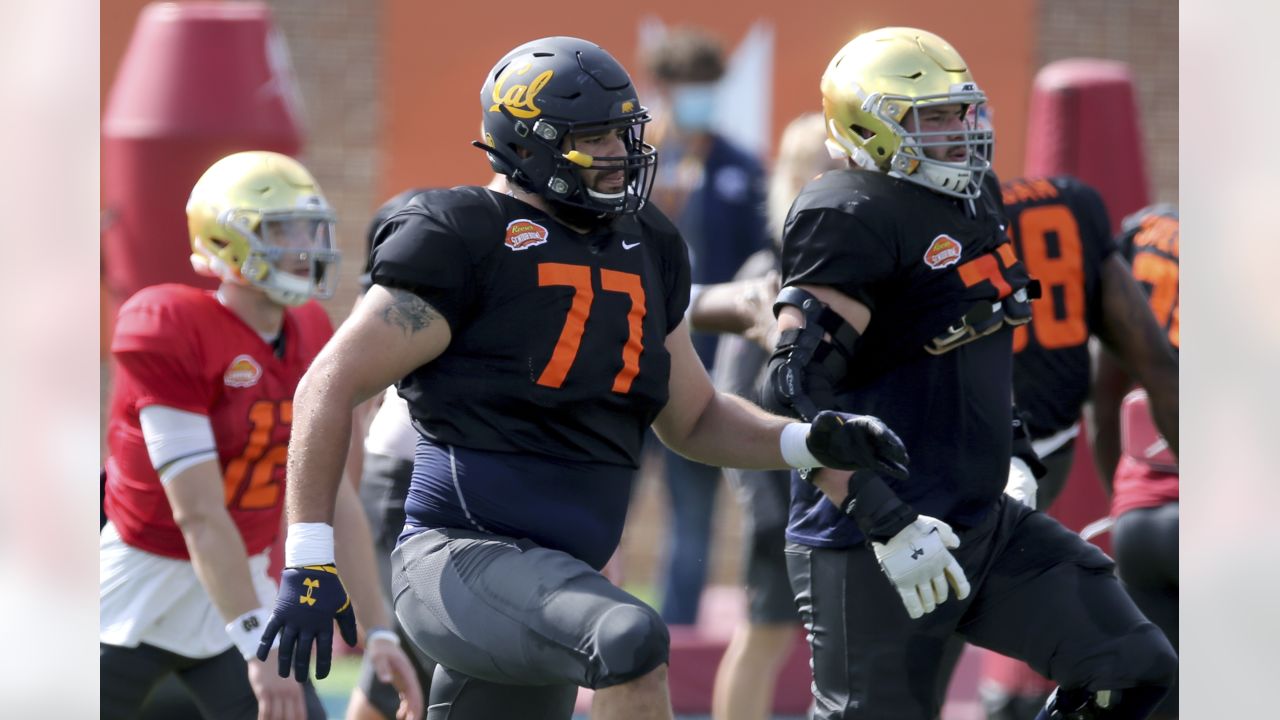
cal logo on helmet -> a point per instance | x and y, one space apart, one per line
243 372
523 234
518 98
943 251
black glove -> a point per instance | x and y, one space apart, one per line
875 509
844 441
311 598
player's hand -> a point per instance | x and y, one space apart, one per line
844 441
278 698
311 598
392 666
1022 484
918 563
756 303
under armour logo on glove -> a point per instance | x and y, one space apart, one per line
311 585
311 598
919 563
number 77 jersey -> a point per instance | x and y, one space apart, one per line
558 338
1062 234
179 347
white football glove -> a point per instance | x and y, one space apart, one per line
917 562
1022 483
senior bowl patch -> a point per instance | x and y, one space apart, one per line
524 234
943 251
243 372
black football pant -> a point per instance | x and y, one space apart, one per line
1145 542
1039 594
219 685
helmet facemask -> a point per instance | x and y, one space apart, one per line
959 178
637 167
291 252
553 165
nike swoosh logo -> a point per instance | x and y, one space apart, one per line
625 246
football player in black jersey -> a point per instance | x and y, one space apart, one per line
1061 232
535 336
901 291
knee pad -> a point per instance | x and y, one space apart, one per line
630 642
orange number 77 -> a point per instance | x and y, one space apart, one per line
566 351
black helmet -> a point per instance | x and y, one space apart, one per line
548 89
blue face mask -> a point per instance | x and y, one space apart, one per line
693 106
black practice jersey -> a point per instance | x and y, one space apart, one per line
1062 234
1149 241
944 288
557 338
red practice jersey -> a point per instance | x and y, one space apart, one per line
179 347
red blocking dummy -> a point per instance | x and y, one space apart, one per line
199 80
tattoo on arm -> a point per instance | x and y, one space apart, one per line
408 312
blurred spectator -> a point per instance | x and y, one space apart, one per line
748 672
713 191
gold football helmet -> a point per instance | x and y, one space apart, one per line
880 77
259 218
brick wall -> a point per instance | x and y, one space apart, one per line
337 60
1144 34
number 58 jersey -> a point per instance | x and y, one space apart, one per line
1063 236
558 338
179 347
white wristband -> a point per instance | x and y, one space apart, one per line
246 632
383 634
795 448
308 544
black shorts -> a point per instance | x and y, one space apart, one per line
512 613
218 685
1039 594
765 497
1145 542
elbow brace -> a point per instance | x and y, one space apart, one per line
805 368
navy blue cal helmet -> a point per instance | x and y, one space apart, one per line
555 88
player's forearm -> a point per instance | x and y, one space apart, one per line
221 563
1102 416
717 309
353 548
318 445
1159 377
732 432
